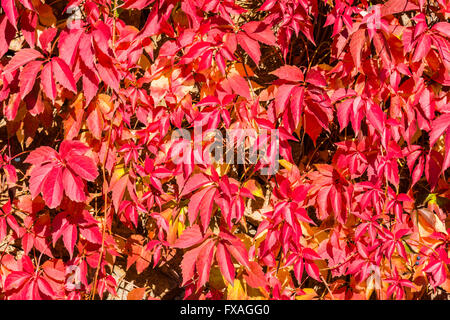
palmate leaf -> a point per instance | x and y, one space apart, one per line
28 77
57 173
22 57
63 75
350 98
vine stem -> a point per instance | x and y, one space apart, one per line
328 288
104 173
105 209
252 91
114 24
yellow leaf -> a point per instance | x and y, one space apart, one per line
181 218
119 170
285 164
236 291
221 168
173 230
254 187
310 294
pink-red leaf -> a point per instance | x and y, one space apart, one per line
28 77
10 9
83 166
289 73
73 186
21 58
52 188
190 237
47 81
225 264
63 74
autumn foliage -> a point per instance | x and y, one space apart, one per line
352 202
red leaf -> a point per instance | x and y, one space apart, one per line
94 123
52 187
260 31
356 45
28 77
63 74
27 242
41 155
3 229
118 191
28 22
204 261
195 51
190 237
188 263
70 237
376 117
422 48
68 44
315 77
90 84
440 125
433 167
73 186
282 97
312 270
10 9
239 85
46 38
206 207
21 58
196 181
202 202
310 254
15 280
225 264
109 75
250 46
418 171
37 179
136 4
83 166
72 147
396 6
47 81
289 73
442 27
45 288
298 269
7 33
238 251
92 234
446 162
